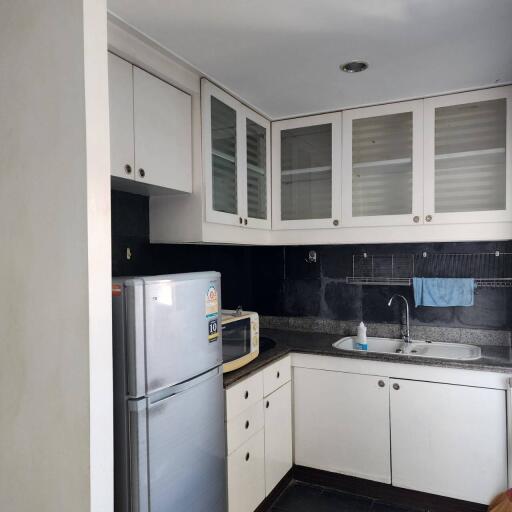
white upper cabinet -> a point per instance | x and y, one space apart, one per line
120 83
306 172
383 165
150 130
163 133
467 157
236 161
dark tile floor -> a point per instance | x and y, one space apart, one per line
303 497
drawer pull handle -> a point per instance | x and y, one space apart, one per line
246 395
128 169
278 375
381 384
267 405
396 386
247 456
142 173
246 425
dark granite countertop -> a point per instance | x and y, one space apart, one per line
498 359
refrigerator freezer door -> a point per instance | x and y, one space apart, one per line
180 313
178 454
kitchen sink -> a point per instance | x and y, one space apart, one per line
454 351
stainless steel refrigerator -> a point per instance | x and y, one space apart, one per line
168 394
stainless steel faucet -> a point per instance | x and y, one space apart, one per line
407 336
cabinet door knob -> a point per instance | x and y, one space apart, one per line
335 222
142 172
246 425
381 383
396 386
428 218
246 395
267 405
416 219
240 220
245 222
128 169
278 374
247 456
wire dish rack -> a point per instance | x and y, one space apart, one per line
490 270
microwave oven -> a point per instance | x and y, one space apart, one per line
240 338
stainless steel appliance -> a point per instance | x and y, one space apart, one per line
240 338
168 394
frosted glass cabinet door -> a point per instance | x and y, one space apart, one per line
467 157
222 154
382 165
306 172
255 172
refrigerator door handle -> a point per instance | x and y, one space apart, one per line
184 386
138 449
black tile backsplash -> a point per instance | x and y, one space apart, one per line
278 281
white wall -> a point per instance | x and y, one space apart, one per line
55 323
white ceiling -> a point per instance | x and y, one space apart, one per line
282 56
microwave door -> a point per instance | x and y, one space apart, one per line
236 339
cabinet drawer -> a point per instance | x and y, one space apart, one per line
243 394
245 425
277 374
246 475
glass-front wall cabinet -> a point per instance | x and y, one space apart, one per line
382 165
467 157
236 161
307 171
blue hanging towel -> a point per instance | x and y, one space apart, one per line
443 292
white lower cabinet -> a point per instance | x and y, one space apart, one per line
278 436
449 440
259 435
447 437
342 423
246 475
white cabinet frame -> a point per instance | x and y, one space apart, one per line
430 105
242 113
335 120
416 107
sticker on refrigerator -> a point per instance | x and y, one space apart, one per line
213 329
212 302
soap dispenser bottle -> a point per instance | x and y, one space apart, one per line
361 339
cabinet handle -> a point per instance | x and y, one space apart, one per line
247 456
240 220
381 384
428 218
128 169
396 386
335 222
246 395
416 219
142 172
278 375
246 424
245 222
267 405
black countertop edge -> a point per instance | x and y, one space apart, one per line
495 359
